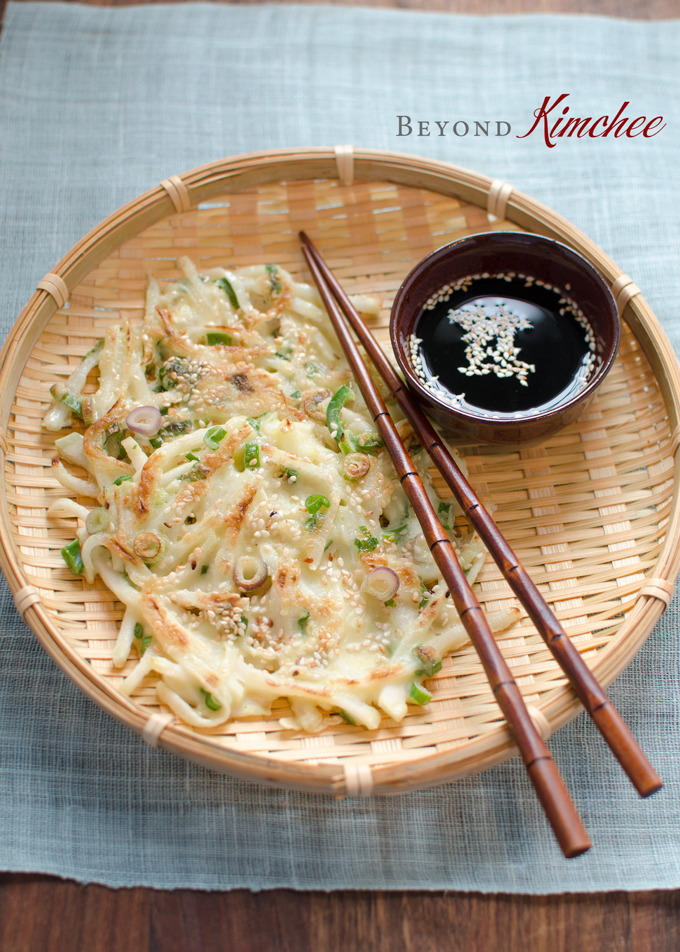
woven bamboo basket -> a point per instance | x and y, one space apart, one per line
592 513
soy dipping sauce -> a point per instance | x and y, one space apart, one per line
503 345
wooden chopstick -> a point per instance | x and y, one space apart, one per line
591 694
543 773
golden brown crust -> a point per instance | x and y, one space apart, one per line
94 437
234 520
165 627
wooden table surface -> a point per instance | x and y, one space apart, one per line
44 914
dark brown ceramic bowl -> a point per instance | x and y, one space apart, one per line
495 252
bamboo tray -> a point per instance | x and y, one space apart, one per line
592 513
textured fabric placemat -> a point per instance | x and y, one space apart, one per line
97 105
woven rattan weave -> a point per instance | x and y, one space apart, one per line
592 513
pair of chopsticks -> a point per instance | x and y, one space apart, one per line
543 773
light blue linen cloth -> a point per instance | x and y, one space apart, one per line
97 105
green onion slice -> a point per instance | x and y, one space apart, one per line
143 640
274 280
429 659
369 443
314 503
251 455
225 285
72 556
334 423
113 442
367 544
94 350
302 621
210 702
97 520
214 436
217 337
418 694
73 403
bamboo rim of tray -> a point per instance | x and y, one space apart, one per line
414 196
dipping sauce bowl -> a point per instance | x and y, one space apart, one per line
504 336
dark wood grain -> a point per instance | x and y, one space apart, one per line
45 914
41 914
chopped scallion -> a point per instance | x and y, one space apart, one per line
172 430
217 337
361 444
97 520
210 702
73 403
274 280
122 479
62 395
95 350
429 659
72 556
370 444
302 621
225 285
333 421
251 455
214 436
367 544
418 694
315 503
394 533
143 640
113 442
